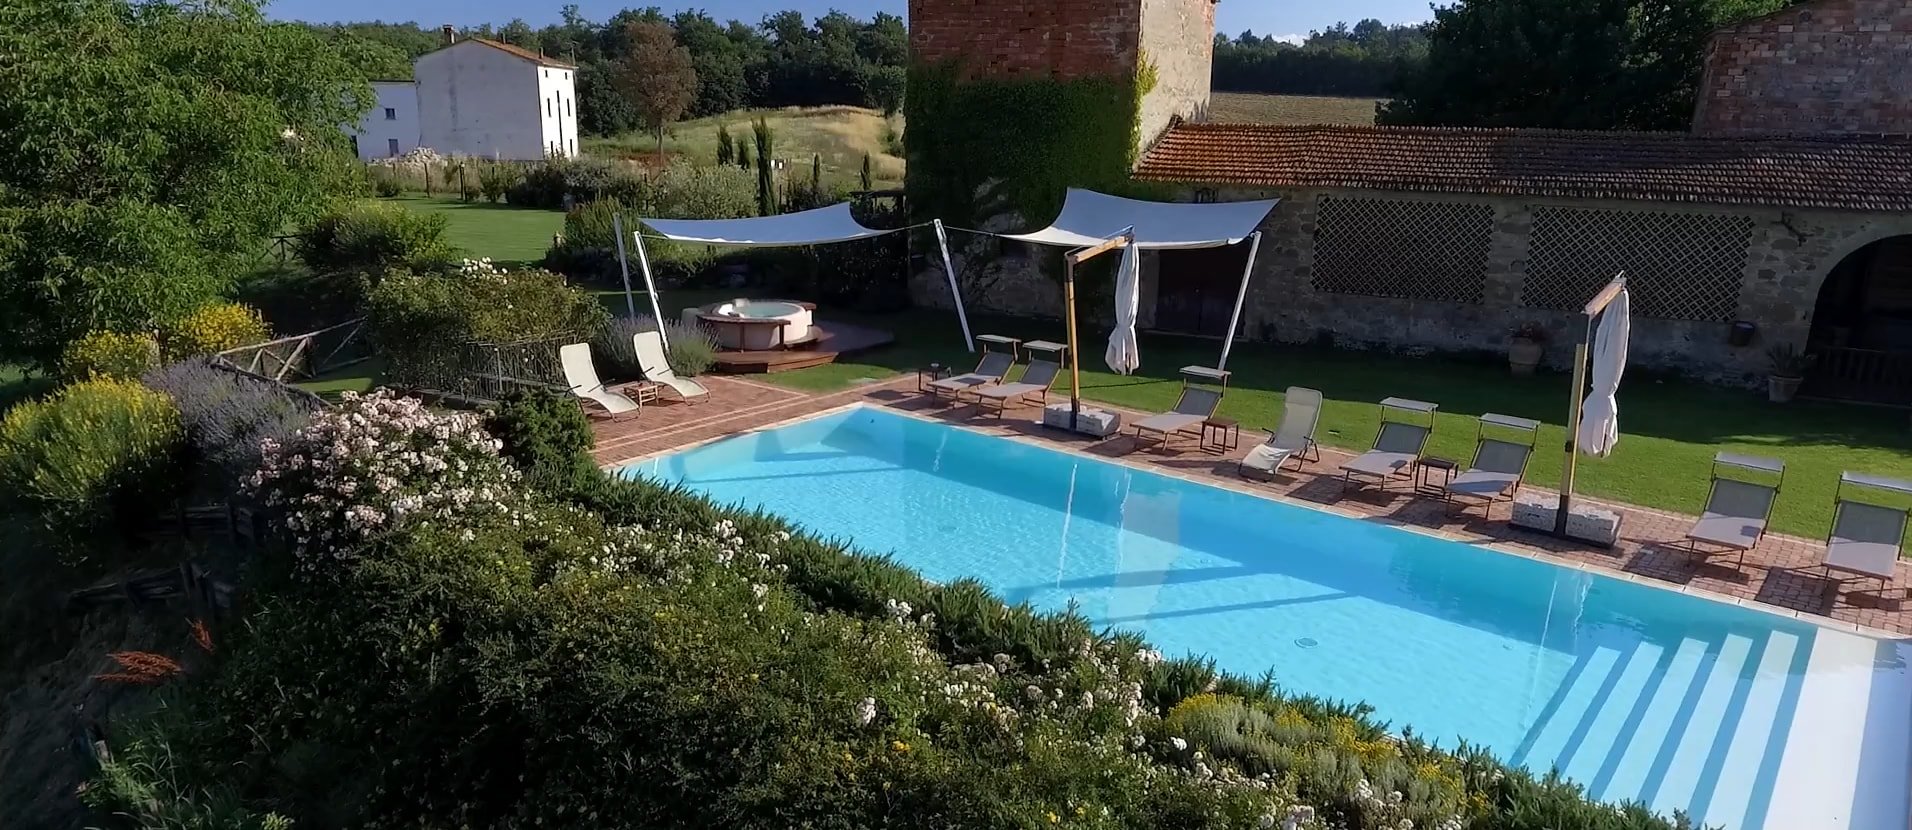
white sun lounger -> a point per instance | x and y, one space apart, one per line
656 366
1866 539
581 375
1737 511
1499 466
1396 448
1300 415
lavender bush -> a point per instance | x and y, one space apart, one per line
691 351
227 416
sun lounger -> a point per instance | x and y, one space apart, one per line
1866 539
1300 415
1194 408
1396 448
990 369
581 375
1737 511
656 366
1499 465
1036 380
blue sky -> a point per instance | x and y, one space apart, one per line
1268 17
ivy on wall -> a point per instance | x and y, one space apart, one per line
985 147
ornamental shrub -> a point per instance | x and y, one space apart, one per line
588 250
690 349
496 179
227 416
96 456
425 324
110 354
368 235
541 432
215 328
374 464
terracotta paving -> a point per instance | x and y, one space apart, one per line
1782 574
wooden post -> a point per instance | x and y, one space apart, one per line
1075 352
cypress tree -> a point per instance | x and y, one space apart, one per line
766 183
868 179
726 149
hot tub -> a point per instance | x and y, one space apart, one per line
758 325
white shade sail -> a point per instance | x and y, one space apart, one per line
1124 354
1600 416
810 227
1090 218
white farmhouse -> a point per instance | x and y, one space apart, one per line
476 97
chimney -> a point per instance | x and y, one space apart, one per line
448 35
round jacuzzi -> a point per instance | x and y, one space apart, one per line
757 325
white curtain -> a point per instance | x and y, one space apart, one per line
1600 414
1124 353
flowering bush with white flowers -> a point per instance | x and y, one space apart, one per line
379 462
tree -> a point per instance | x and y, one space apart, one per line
766 182
726 149
657 77
1580 64
146 168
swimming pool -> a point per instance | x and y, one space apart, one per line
1743 718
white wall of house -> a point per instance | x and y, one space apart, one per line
390 127
558 109
478 100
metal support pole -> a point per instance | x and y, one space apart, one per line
1241 298
623 264
942 241
650 285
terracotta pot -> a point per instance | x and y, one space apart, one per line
1781 390
1523 356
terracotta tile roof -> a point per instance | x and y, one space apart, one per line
1872 174
522 52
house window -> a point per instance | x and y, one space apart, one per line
391 147
574 146
391 114
567 105
547 106
547 73
567 76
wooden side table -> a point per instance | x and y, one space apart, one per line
1445 466
1219 435
926 375
644 392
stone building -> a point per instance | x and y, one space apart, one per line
1442 239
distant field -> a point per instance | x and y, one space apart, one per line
840 134
1255 108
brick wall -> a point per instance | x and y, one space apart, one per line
1044 38
1834 66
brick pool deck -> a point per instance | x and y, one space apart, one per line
1781 575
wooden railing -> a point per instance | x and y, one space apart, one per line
1870 375
301 355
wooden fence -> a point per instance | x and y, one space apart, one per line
301 355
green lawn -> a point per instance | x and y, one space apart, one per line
504 233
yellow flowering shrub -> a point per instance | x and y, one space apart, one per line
109 354
215 328
94 452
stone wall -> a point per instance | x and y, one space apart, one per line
1063 39
1788 256
1834 66
1178 39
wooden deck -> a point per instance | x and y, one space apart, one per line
833 340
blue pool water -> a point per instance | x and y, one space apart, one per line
1742 718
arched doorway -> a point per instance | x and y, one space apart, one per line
1862 326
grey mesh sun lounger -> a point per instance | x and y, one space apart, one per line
1396 449
1036 380
1294 439
1737 511
1195 407
1866 539
989 370
1499 465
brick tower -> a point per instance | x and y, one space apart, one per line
1832 66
